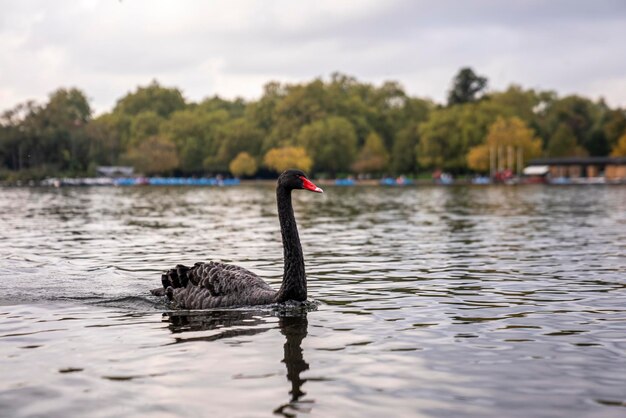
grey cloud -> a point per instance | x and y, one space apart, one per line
229 47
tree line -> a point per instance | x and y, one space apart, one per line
331 128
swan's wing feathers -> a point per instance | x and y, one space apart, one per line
177 277
214 284
223 279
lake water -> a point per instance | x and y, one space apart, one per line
431 301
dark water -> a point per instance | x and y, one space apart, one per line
442 302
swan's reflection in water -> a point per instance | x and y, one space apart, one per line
294 328
236 323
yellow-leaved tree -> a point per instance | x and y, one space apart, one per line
505 133
281 159
619 150
243 165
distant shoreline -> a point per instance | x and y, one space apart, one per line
187 182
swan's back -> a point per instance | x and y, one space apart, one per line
212 285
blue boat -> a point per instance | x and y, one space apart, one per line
400 181
345 182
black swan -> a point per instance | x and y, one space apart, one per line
213 284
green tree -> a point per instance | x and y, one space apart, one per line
144 125
583 118
161 100
387 111
563 143
236 136
443 143
195 123
19 135
53 135
300 105
195 132
515 101
597 143
281 159
231 138
234 109
68 107
331 142
154 155
403 158
105 139
243 165
262 113
466 87
192 155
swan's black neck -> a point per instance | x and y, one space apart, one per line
294 277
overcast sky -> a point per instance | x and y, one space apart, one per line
233 47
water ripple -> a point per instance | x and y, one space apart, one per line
456 301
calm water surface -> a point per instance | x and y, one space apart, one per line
435 302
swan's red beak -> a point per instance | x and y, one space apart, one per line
306 183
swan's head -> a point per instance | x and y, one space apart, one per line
296 179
